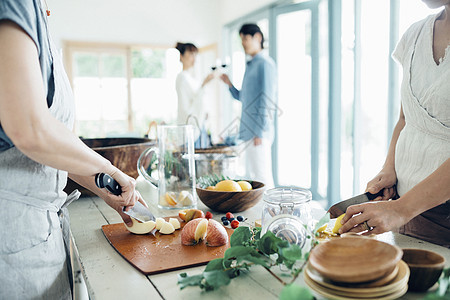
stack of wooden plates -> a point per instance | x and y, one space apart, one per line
392 286
357 268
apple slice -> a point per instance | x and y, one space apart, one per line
159 223
201 230
190 214
167 228
175 223
140 227
217 235
188 232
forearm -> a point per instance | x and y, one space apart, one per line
89 183
430 192
49 142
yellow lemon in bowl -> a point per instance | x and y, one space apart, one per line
245 185
228 186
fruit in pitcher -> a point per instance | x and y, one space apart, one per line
338 224
190 214
170 198
140 227
185 198
245 185
216 234
228 186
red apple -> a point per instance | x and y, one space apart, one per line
217 235
190 214
188 232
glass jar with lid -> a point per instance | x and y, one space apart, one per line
287 207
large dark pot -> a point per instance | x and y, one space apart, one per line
121 152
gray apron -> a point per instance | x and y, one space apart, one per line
34 238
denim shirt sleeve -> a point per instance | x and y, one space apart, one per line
267 101
235 92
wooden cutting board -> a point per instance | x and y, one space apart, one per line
160 253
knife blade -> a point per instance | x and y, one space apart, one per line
138 211
340 207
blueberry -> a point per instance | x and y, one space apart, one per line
231 219
224 218
226 222
240 218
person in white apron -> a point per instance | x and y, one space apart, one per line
37 151
417 167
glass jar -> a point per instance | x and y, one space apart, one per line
294 201
288 228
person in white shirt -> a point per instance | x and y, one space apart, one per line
189 90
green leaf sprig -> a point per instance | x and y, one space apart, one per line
210 180
443 292
249 248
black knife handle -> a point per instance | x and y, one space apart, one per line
103 180
373 196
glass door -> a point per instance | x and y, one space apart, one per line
297 130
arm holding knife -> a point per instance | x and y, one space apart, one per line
417 167
27 121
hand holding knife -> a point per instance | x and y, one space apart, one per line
138 211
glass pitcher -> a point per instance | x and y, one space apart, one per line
171 166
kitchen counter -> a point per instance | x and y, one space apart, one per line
109 276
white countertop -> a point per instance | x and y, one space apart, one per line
109 276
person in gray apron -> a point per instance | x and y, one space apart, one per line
417 168
37 152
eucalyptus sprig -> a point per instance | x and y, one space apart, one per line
249 248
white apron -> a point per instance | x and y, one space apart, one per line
34 260
423 146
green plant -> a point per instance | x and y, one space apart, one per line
249 248
210 180
443 292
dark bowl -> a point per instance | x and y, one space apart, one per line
121 152
232 201
425 267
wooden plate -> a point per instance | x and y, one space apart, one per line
332 295
400 280
314 275
354 259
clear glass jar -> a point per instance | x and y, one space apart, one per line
288 228
294 201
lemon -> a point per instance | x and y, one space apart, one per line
322 228
338 224
211 188
245 185
228 186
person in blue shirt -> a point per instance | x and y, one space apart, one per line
258 96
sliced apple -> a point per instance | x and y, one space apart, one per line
170 198
201 230
140 227
188 232
167 228
190 214
159 223
216 234
175 223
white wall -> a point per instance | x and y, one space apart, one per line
158 22
230 10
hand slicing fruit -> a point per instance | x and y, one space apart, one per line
324 231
